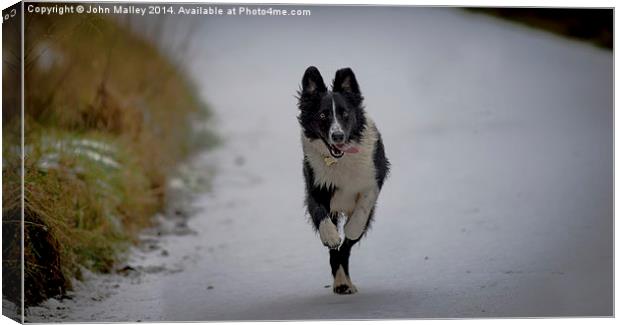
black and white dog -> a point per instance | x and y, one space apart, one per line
344 165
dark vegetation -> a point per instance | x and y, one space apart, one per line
11 161
592 25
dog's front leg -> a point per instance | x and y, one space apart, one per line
329 234
318 208
358 220
318 200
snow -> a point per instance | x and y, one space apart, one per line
499 203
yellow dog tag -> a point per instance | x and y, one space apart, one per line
329 160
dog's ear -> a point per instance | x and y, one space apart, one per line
345 82
312 82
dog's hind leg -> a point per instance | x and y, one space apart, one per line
339 261
354 229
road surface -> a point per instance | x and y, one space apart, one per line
499 203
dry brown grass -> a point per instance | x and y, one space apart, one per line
107 118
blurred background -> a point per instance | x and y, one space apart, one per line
498 123
590 25
107 117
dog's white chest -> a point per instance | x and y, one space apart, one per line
352 171
351 175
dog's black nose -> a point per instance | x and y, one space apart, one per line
338 137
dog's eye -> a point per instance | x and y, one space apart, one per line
322 116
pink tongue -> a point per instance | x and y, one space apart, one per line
347 148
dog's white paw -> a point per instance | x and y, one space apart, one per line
345 289
329 234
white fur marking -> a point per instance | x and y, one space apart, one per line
335 127
329 233
340 278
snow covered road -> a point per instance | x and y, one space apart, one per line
500 198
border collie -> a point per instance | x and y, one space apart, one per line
344 165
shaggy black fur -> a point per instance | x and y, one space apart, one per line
317 198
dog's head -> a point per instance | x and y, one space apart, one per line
335 117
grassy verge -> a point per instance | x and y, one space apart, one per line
107 118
